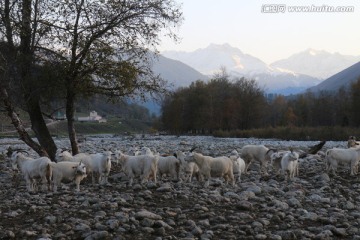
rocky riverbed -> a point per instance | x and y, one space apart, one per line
311 206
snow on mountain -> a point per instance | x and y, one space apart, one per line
211 59
319 64
274 79
282 82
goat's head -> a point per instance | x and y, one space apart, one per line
62 153
108 155
10 151
195 156
120 157
15 156
352 138
146 151
80 169
293 155
186 157
13 160
117 154
133 151
234 153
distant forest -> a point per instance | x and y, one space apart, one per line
226 104
121 108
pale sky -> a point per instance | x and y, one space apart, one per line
268 36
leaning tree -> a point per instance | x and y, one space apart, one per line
103 47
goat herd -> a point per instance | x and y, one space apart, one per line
181 166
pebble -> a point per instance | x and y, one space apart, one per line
314 205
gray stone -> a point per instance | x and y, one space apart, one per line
146 214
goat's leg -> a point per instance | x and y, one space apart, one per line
101 178
334 168
77 183
29 183
93 178
188 177
207 183
247 165
263 166
155 180
106 178
131 180
55 187
232 178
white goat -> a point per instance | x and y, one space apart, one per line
32 168
98 163
289 164
275 159
335 156
238 164
132 151
143 166
214 167
64 155
352 143
189 169
238 167
146 151
259 153
68 171
169 165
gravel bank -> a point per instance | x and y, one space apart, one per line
311 206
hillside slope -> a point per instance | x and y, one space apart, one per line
341 79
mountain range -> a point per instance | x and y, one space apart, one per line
176 72
287 76
342 79
317 63
311 70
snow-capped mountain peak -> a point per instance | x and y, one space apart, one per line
317 63
211 59
312 52
300 71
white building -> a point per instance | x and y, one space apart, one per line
94 117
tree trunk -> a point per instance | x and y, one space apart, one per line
31 97
313 149
70 111
40 129
16 121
